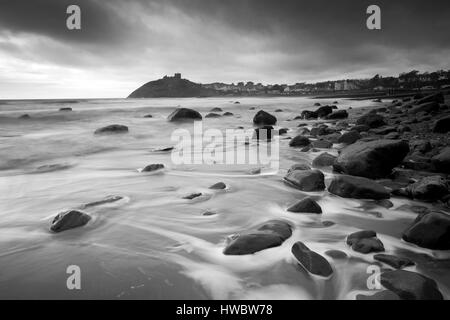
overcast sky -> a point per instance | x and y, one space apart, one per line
125 43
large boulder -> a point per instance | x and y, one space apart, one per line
323 160
184 114
311 261
365 241
371 159
410 285
357 187
430 188
312 180
307 115
69 219
266 235
349 137
339 114
306 205
441 161
299 141
430 230
264 118
371 120
442 125
114 128
324 111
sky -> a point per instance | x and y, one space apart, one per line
123 44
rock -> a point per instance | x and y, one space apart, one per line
382 295
429 230
384 130
216 109
218 186
339 114
393 261
430 188
324 111
368 245
371 120
323 144
308 181
327 223
307 115
384 203
349 137
306 205
299 166
360 128
228 114
209 213
299 141
336 254
311 261
316 104
410 285
442 125
425 107
65 109
363 234
279 110
213 115
441 161
114 128
357 187
153 167
267 235
68 220
264 118
377 100
323 160
192 196
108 199
282 131
25 116
184 114
148 116
371 159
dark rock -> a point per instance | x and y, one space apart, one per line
65 109
228 114
384 203
307 115
299 141
114 128
442 125
368 245
371 120
339 114
430 188
311 261
218 186
384 130
372 159
25 116
209 213
357 187
363 234
184 114
377 100
430 230
336 254
442 161
299 166
323 160
148 116
323 144
306 205
393 261
327 223
279 110
282 131
411 285
360 128
153 167
213 115
192 196
308 181
382 295
108 199
324 111
264 118
267 235
425 107
349 137
68 220
216 109
316 104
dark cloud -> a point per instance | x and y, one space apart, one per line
208 40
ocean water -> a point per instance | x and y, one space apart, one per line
153 244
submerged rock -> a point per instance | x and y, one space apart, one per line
114 128
264 118
264 236
184 114
212 115
373 159
311 261
299 141
357 187
192 196
430 230
218 186
411 285
428 189
153 167
393 261
68 220
336 254
108 199
65 109
306 205
311 180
